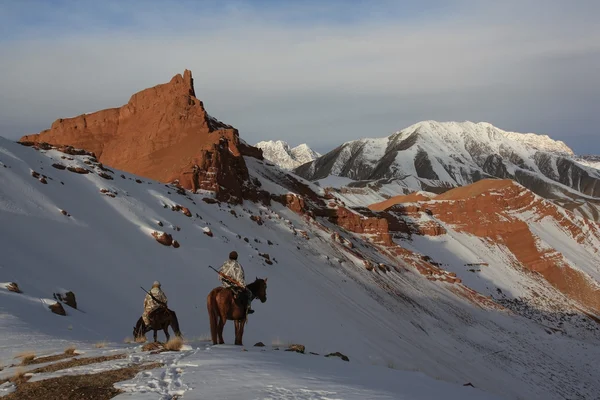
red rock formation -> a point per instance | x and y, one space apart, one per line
162 133
354 222
493 208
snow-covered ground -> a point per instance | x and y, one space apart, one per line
319 296
203 371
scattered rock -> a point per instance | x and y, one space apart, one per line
176 228
232 212
35 174
58 309
59 166
186 211
78 170
208 232
63 212
13 287
314 354
298 348
209 200
159 223
175 244
138 181
266 257
43 180
68 298
246 240
338 354
123 176
259 344
105 176
163 238
257 219
269 243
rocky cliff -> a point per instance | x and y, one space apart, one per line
164 133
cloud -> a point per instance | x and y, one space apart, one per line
319 73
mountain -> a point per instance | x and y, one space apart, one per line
589 160
280 153
488 287
163 133
436 157
387 292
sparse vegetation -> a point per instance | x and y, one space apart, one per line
26 357
174 344
19 377
70 351
100 345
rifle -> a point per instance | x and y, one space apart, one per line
154 298
227 278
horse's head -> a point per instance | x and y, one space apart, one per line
259 289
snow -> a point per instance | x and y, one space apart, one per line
225 372
280 153
436 340
334 181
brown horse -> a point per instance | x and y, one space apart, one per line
223 306
160 318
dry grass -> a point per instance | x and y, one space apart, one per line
128 340
76 362
174 344
93 386
100 345
70 351
19 377
141 339
26 357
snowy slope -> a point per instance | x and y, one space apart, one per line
589 161
319 295
201 371
280 153
436 156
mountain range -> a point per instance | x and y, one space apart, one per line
450 250
280 153
438 156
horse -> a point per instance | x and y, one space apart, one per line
222 306
160 318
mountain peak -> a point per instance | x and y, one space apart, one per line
486 130
280 153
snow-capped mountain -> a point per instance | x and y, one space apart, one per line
280 153
488 287
437 156
589 160
425 301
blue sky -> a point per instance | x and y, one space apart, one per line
321 72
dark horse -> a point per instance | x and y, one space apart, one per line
222 306
160 318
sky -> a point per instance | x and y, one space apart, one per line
316 72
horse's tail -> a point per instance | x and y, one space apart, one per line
211 306
175 323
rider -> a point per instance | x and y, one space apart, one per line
151 304
234 270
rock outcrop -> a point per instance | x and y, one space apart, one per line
163 133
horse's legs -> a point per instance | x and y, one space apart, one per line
166 330
155 335
239 332
220 329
